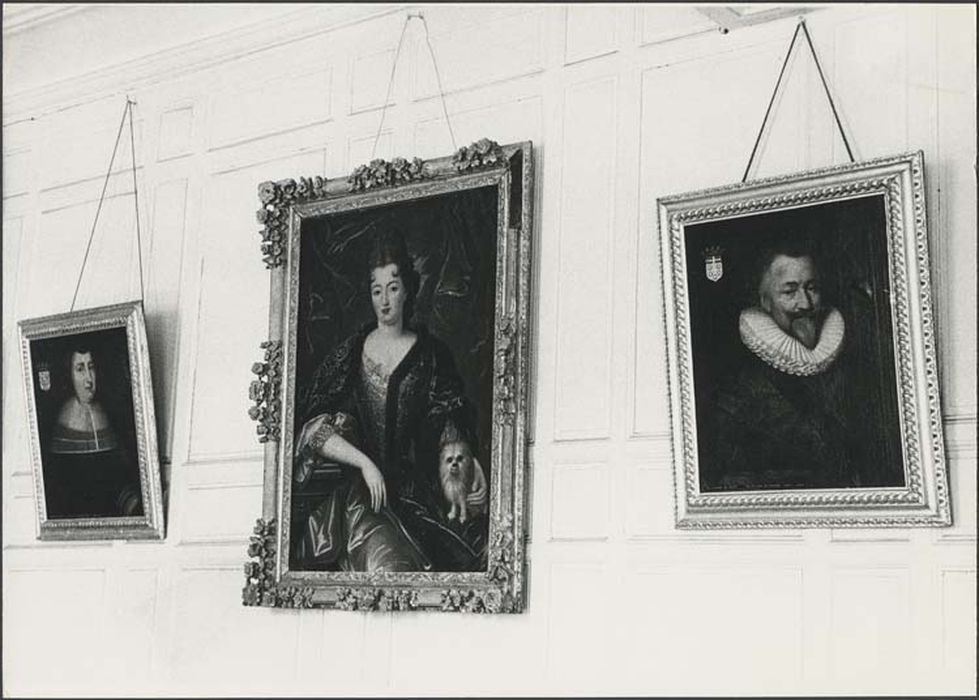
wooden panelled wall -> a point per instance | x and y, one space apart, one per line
624 104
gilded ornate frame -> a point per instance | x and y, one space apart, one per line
127 315
502 587
924 500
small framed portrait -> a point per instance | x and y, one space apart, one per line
393 393
92 425
804 387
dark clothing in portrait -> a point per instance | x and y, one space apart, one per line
87 471
397 421
775 429
97 484
778 431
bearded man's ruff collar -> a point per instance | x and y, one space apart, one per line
778 349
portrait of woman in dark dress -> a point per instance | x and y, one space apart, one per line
90 470
382 404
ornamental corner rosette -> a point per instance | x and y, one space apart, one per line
274 214
480 154
264 392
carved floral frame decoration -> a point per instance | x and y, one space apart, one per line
501 588
924 498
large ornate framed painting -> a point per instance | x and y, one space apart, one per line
92 425
392 398
804 387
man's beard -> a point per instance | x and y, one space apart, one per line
805 329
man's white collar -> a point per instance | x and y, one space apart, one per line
775 347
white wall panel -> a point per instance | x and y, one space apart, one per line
591 31
54 660
509 123
16 172
879 74
13 229
962 484
67 155
870 629
130 627
362 149
644 519
335 647
233 309
370 76
678 617
272 106
584 295
447 658
580 501
578 636
176 136
220 513
216 641
659 23
111 273
20 527
954 171
163 253
507 40
959 623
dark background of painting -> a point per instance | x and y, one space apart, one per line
848 240
113 385
452 239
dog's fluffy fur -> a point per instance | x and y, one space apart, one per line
456 475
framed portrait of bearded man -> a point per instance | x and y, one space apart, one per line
801 347
392 399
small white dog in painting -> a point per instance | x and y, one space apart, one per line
456 475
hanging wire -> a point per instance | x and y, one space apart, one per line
387 96
829 97
771 101
139 238
800 26
438 78
98 210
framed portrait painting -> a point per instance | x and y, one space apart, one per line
804 386
92 425
392 398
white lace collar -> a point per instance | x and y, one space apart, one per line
775 347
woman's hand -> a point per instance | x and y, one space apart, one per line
479 493
375 484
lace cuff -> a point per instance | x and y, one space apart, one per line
342 424
322 434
